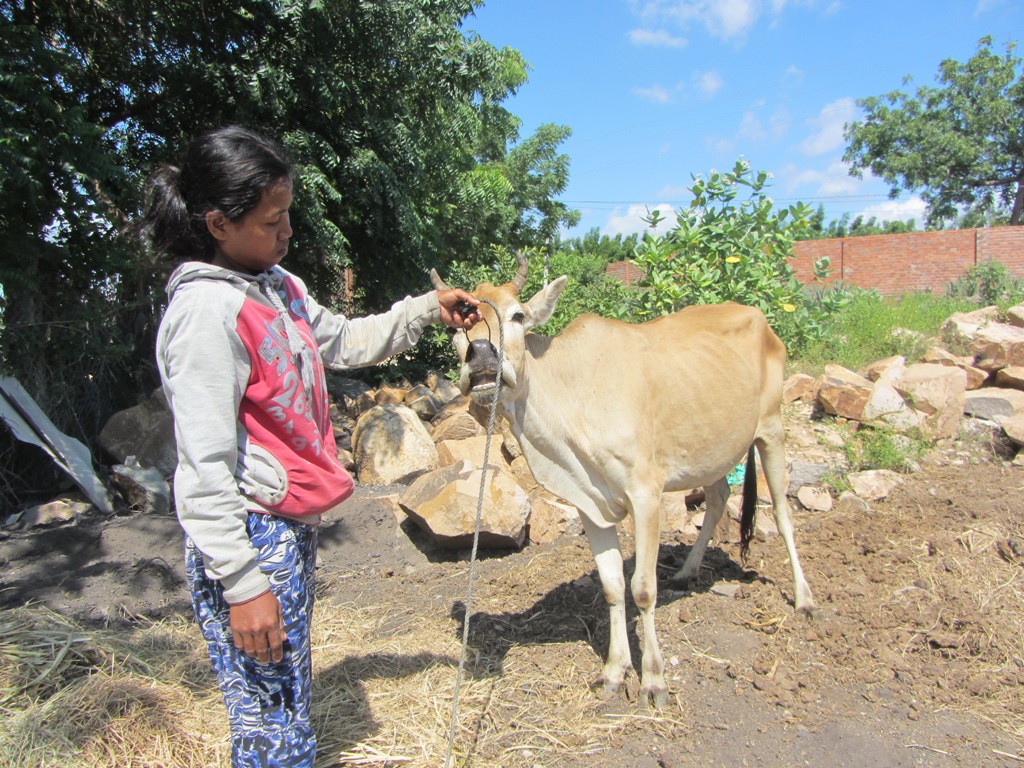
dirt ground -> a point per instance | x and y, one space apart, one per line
915 656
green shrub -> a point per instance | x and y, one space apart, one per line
731 244
987 283
881 449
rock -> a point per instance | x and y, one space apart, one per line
815 499
799 386
1013 426
470 449
875 484
421 400
551 518
675 516
961 328
458 424
387 395
1015 316
842 392
975 376
51 513
938 392
989 402
144 489
443 503
391 444
889 367
145 432
803 473
851 503
998 346
444 391
1012 377
886 407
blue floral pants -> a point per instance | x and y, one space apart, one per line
268 703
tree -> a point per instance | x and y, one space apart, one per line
843 227
961 143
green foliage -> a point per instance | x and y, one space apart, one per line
843 227
871 328
960 142
882 449
987 283
731 244
602 247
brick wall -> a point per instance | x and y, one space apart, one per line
916 261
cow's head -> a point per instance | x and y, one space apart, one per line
477 348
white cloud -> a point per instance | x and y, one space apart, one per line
725 19
656 38
896 210
656 93
834 181
630 220
828 125
708 83
752 127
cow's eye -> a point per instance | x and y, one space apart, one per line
519 317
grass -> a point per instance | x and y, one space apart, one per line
873 328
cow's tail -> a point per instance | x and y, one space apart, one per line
749 512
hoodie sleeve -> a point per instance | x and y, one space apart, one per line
355 342
204 368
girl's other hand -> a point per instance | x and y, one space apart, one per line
258 628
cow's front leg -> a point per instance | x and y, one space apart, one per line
647 527
604 544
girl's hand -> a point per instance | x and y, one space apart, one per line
458 308
258 628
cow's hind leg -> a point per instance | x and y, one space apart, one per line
715 496
604 544
770 446
647 529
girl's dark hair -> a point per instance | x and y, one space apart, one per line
225 170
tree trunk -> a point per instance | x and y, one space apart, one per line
1017 216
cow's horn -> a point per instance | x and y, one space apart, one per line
436 281
524 267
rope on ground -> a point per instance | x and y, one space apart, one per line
476 538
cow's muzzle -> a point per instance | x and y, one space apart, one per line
482 361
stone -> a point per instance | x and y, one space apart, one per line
975 376
886 407
799 386
1013 426
803 473
421 400
551 518
457 425
391 444
443 503
1011 377
874 484
143 489
52 512
938 392
815 499
445 392
989 402
998 346
471 449
851 503
1015 316
960 329
842 392
388 395
146 432
889 367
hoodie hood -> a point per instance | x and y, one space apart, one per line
191 271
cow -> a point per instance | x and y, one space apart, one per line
610 415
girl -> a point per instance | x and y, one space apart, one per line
241 352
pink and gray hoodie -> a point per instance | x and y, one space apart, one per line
242 362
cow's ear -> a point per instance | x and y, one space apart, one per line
542 306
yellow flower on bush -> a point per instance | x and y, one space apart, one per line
789 307
732 259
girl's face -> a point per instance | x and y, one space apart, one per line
259 240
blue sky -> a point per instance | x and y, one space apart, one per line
657 90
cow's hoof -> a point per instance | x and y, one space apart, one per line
654 696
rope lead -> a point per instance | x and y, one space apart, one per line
476 535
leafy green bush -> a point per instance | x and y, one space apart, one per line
871 328
882 449
727 248
987 283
